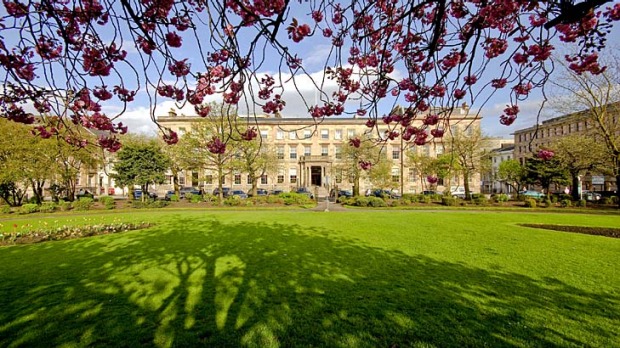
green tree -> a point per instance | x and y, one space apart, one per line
545 172
380 174
181 157
140 162
470 153
256 159
512 173
578 154
354 158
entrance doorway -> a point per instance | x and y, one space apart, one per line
315 175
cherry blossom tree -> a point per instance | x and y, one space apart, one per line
72 58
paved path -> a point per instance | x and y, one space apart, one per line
322 205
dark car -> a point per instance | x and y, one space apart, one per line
429 192
83 193
276 192
192 190
225 191
341 193
169 195
261 192
137 194
304 191
384 194
238 193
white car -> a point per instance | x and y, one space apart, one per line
457 191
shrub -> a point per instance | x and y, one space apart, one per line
149 204
410 198
275 199
291 198
232 201
343 200
530 203
28 209
209 198
614 200
608 200
83 204
65 206
108 202
5 209
189 196
376 202
448 201
361 201
581 203
48 207
258 200
194 198
174 198
480 200
565 203
547 202
501 198
564 196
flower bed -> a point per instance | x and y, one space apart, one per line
68 232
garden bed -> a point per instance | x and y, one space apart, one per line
597 231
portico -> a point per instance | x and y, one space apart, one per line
314 170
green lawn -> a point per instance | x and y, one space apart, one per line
302 278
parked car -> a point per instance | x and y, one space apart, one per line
276 192
384 194
532 194
169 195
185 190
225 191
457 192
304 191
137 194
260 192
591 196
341 193
238 193
83 193
429 192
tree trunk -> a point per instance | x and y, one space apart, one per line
466 185
356 186
220 193
575 188
175 182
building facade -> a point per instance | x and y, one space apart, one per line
309 152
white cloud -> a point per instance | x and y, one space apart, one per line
528 117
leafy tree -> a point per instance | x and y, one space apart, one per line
140 162
380 174
357 157
76 51
181 157
470 153
256 159
544 172
598 98
512 173
578 154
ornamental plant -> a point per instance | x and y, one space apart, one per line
66 59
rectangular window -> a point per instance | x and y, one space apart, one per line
324 150
263 180
280 134
264 133
307 134
395 153
280 152
181 180
350 133
439 149
324 133
209 179
280 178
307 151
395 175
249 180
237 179
338 152
293 153
413 174
338 134
292 135
292 173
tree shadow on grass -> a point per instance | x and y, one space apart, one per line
201 282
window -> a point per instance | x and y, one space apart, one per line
263 179
338 134
395 153
209 179
413 174
264 133
351 133
324 133
292 135
307 134
280 152
249 180
237 179
293 153
181 180
338 152
292 172
280 134
307 151
324 151
395 175
280 178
